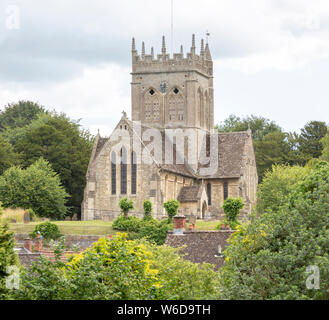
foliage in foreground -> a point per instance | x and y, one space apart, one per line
268 259
8 257
38 187
119 269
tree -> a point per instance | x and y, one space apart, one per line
232 207
310 145
272 149
18 115
126 205
171 207
8 157
8 258
277 185
325 144
38 187
119 269
270 257
148 208
61 142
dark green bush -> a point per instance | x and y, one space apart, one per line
129 224
148 208
154 231
48 230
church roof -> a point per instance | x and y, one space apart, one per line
189 194
200 246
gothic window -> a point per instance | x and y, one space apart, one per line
151 106
199 106
225 190
113 173
133 173
123 166
176 106
209 193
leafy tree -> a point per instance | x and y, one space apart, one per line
8 157
325 144
18 115
269 258
61 142
8 258
148 209
119 269
310 145
171 207
259 126
126 205
38 187
277 185
232 207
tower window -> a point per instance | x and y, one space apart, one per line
152 92
176 91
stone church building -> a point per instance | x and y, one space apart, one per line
169 149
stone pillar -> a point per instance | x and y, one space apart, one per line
26 217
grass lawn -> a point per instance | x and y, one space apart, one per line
92 227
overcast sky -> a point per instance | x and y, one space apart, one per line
271 57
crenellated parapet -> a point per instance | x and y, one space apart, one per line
178 62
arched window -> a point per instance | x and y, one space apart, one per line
209 193
199 107
114 173
133 173
151 106
123 165
176 106
225 190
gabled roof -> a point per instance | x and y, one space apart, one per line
189 194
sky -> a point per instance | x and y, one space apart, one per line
271 57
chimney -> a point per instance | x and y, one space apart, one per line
179 225
28 245
38 243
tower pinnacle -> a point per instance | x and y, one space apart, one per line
193 44
164 45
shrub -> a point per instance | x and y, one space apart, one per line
232 208
148 208
126 205
8 257
48 231
171 207
154 231
129 224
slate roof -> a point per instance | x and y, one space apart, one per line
189 194
201 246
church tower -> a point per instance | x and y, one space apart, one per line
173 92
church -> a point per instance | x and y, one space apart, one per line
169 148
